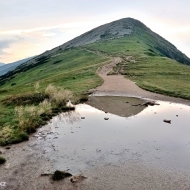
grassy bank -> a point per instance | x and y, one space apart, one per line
24 101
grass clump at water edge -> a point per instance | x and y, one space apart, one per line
30 117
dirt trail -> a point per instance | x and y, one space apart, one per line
119 85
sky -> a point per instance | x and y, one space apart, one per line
30 27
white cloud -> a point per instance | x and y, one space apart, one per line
49 34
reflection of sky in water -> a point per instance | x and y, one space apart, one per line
93 141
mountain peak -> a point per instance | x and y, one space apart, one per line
127 27
115 29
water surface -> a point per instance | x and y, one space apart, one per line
79 144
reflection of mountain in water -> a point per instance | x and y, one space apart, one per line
68 117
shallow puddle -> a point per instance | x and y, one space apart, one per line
83 139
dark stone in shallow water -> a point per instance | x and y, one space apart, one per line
167 121
58 175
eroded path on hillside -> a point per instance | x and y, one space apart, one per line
117 84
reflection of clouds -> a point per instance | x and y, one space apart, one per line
72 117
84 108
67 117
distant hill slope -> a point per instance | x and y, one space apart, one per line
4 68
1 64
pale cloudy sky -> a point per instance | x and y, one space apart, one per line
30 27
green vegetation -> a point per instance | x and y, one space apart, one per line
2 160
41 91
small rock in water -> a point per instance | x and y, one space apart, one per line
127 102
82 117
58 175
106 118
167 121
176 115
150 103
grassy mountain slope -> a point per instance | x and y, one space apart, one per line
148 59
72 69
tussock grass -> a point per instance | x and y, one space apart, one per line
29 116
32 116
9 135
58 96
